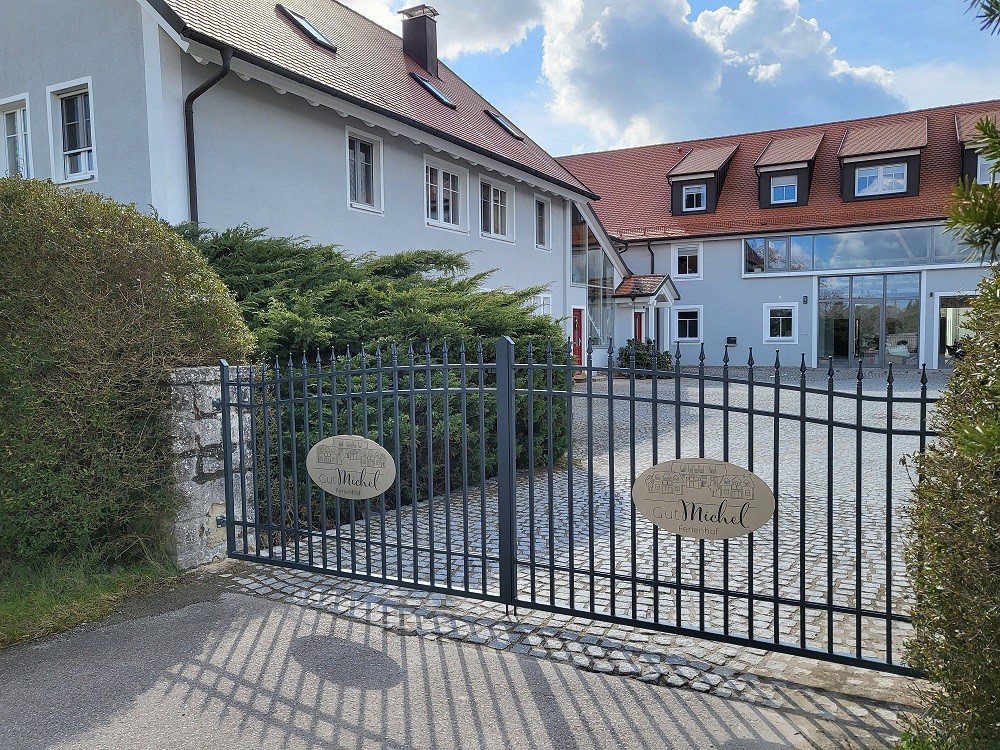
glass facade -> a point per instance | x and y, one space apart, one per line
873 248
953 327
870 320
592 267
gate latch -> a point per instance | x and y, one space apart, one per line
217 404
220 522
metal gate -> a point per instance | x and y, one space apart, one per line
515 467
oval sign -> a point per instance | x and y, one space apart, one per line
351 467
702 498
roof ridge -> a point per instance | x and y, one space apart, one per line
846 121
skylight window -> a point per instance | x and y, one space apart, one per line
503 123
307 28
438 94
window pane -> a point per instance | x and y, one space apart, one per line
541 236
754 255
780 323
867 287
352 146
867 181
902 285
486 209
580 238
777 255
368 174
432 193
801 253
894 178
834 288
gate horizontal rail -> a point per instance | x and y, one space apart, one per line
514 482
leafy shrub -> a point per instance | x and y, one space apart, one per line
99 303
299 296
644 353
953 551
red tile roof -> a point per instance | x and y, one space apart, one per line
635 195
369 68
701 160
790 150
880 139
965 124
640 285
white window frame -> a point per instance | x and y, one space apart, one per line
463 195
675 319
880 171
378 187
541 301
19 103
546 243
768 307
785 180
985 166
700 189
511 200
54 96
675 261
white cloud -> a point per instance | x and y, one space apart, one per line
638 71
465 27
935 83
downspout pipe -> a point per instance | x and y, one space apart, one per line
652 257
192 164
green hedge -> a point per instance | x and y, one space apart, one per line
954 548
467 463
99 303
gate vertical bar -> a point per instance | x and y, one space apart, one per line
506 469
227 458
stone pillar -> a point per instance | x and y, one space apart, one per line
199 467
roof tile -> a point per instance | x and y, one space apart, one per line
642 285
701 160
880 139
635 196
965 124
369 66
790 150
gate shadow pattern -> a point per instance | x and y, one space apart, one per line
824 578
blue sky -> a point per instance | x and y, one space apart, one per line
581 75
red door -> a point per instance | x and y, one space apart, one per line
637 334
578 336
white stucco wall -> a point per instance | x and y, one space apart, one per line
49 42
734 306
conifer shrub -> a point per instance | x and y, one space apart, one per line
99 303
953 552
300 297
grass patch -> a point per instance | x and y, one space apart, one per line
55 595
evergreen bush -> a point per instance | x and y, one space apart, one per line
953 551
644 353
99 303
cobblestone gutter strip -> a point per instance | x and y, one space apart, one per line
824 690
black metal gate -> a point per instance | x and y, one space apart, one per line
515 467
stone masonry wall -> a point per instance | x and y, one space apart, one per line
196 442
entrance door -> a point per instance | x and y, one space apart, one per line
871 320
953 321
578 335
868 334
638 334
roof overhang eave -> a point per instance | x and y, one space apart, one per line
177 23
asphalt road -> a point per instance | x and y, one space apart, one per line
196 667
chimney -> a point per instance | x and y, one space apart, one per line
420 37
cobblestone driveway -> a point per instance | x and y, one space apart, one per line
582 549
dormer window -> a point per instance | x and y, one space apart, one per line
987 171
304 25
696 179
882 161
785 189
784 170
880 180
694 197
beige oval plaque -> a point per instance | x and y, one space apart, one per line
702 498
351 467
